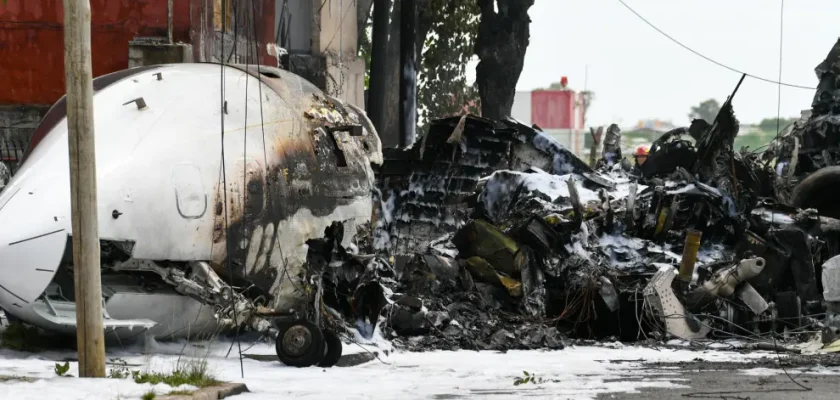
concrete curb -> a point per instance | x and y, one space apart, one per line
211 393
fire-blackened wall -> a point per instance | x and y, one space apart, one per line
422 188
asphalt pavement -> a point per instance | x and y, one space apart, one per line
733 383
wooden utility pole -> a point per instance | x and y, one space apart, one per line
83 209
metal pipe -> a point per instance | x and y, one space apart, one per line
689 258
408 72
169 21
378 58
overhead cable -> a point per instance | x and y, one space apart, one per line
709 59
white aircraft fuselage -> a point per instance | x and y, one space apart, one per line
295 160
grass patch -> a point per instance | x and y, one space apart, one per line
20 337
193 373
181 393
150 395
119 369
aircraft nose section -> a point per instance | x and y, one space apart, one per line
27 266
32 242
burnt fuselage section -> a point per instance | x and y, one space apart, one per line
197 191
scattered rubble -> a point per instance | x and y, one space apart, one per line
491 235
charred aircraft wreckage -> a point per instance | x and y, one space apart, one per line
491 235
171 214
483 235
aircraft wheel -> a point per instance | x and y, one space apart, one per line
300 344
332 352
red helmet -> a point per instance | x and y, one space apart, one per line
641 151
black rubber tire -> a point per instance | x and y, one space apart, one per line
333 350
300 344
819 190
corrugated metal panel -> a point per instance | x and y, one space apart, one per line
553 109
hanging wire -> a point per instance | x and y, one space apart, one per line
778 132
285 273
259 78
779 95
223 110
709 59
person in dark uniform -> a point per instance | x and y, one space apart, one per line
640 155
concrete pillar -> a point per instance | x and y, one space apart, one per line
331 61
334 36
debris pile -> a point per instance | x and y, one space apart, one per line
491 235
807 153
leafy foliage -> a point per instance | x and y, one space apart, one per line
365 48
527 378
150 395
706 110
120 369
442 88
61 370
449 30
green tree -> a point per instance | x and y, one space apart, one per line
706 110
448 40
446 31
770 125
452 29
365 48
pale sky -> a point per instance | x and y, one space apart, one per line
636 73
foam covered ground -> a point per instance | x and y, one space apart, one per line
575 372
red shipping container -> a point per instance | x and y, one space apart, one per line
553 109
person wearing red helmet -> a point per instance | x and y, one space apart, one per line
640 155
